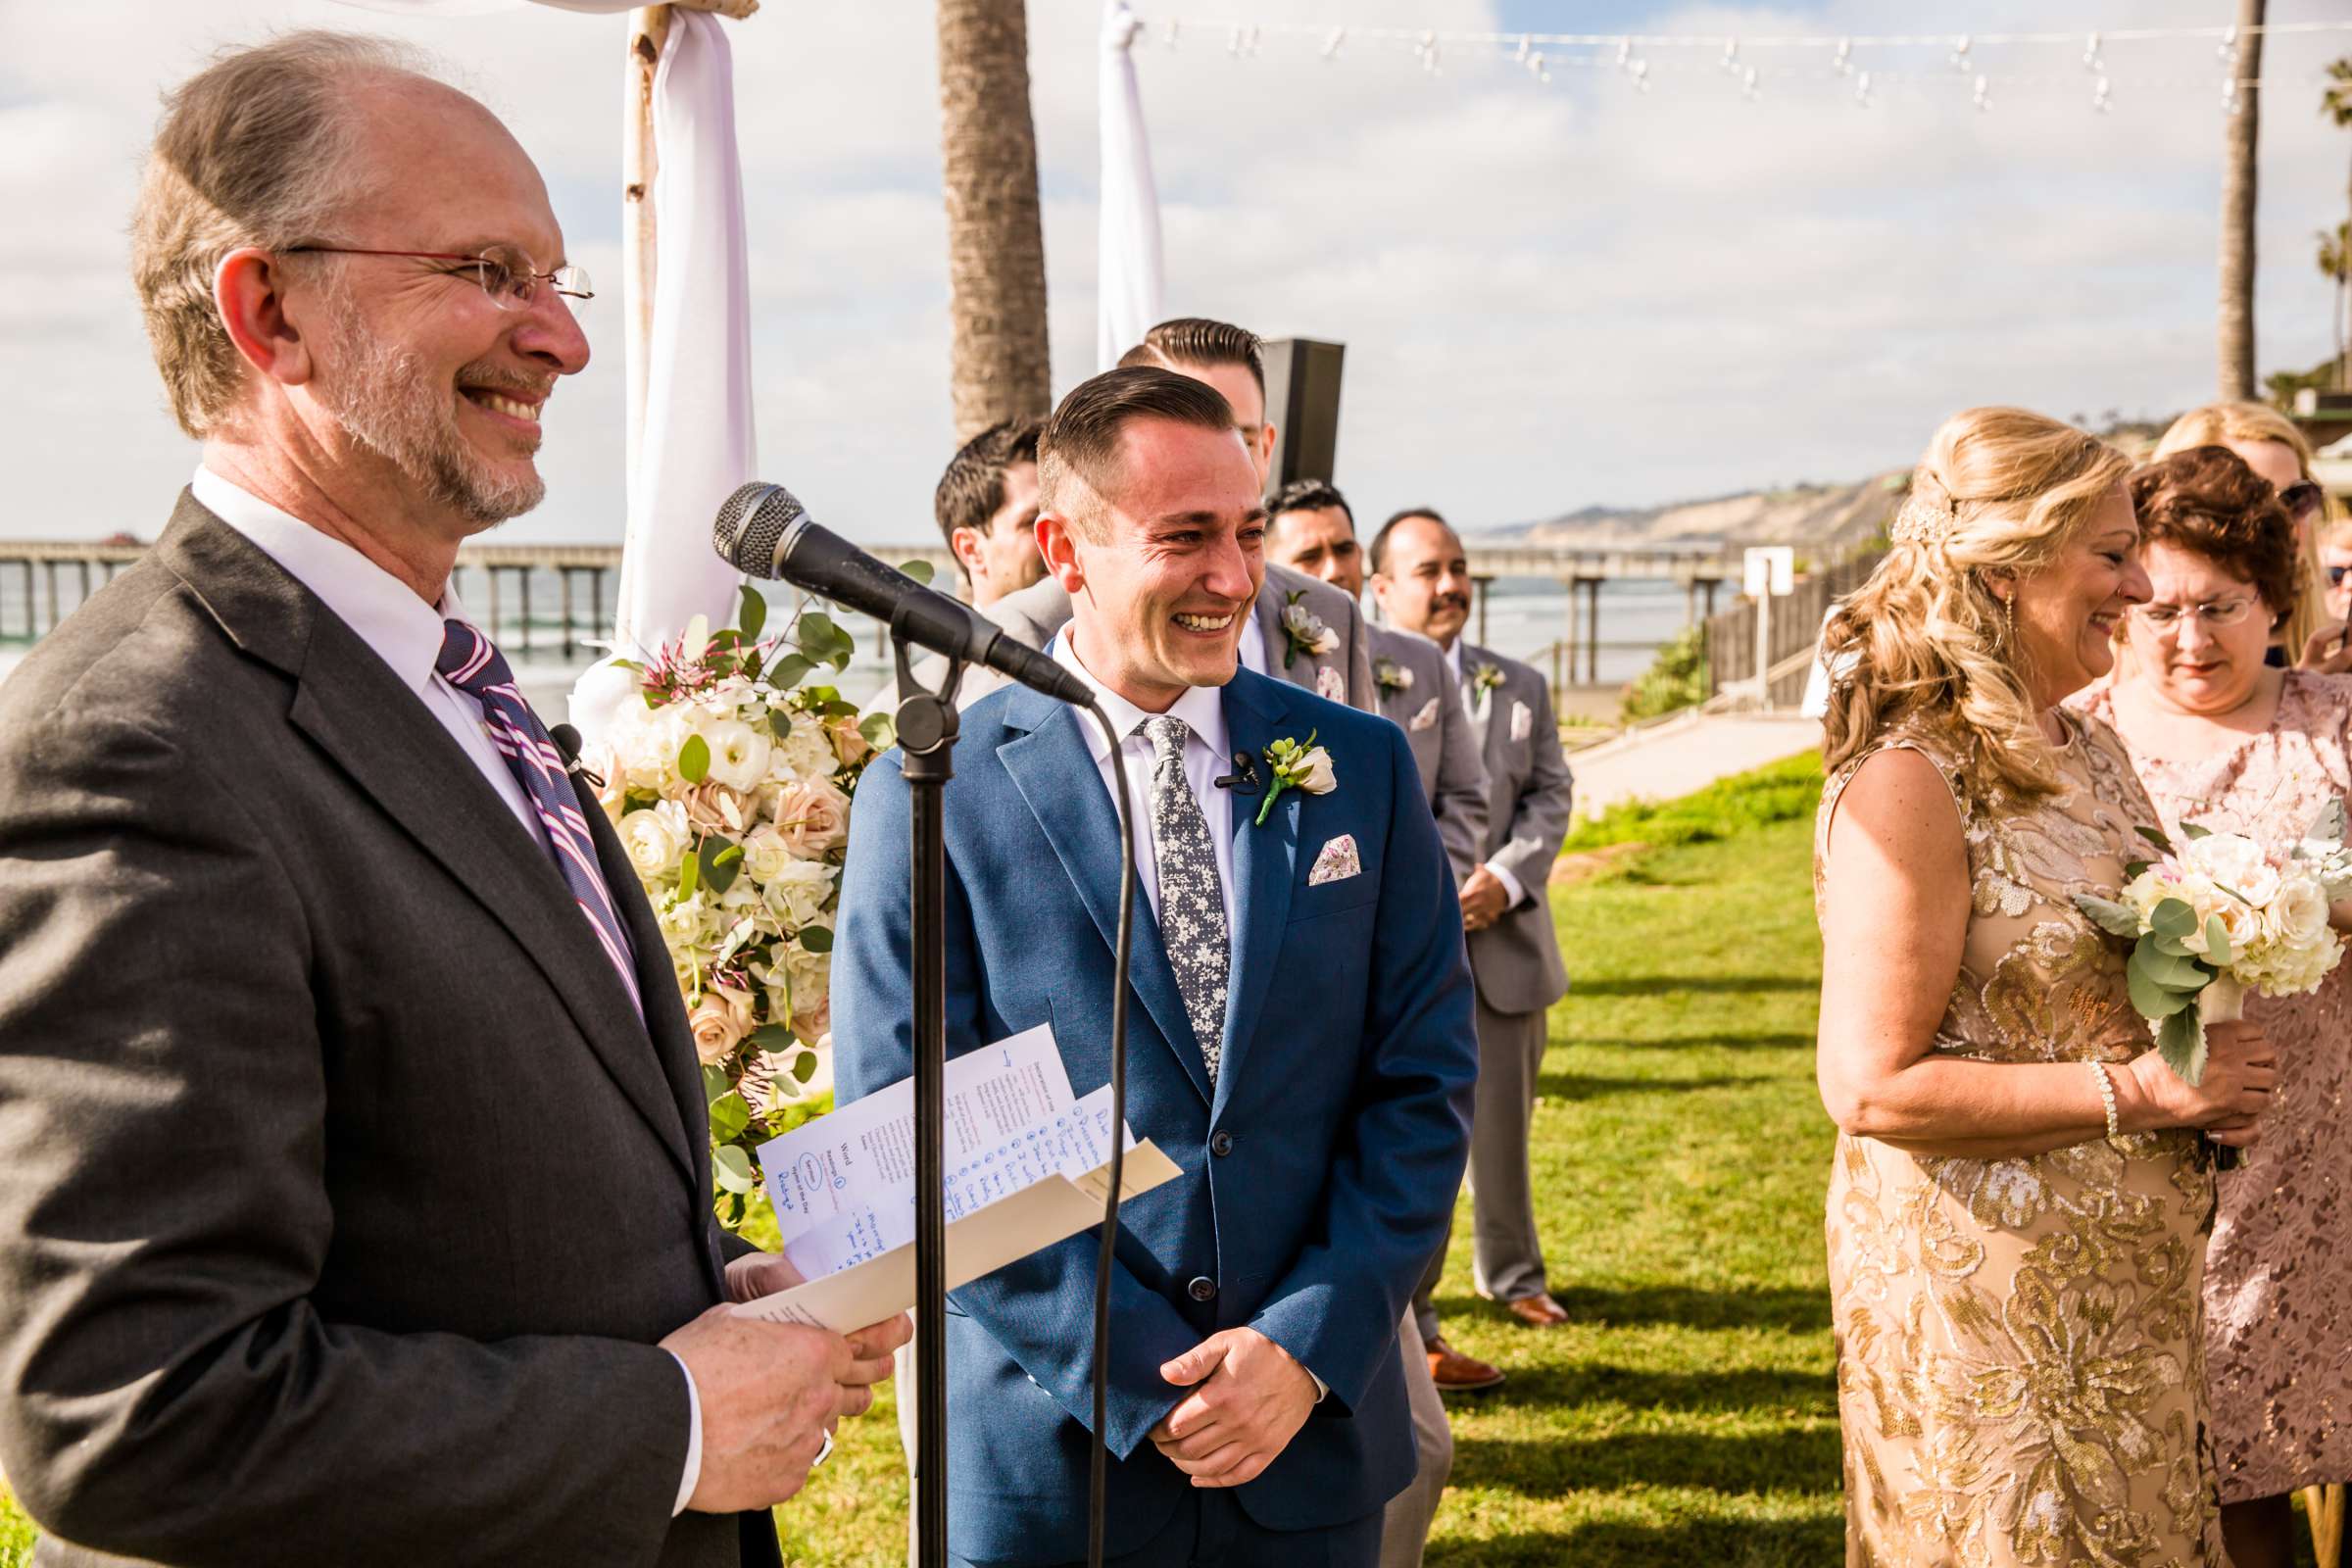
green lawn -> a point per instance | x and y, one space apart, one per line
1688 1416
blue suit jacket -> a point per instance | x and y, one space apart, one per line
1341 1108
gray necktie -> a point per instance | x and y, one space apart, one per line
1191 897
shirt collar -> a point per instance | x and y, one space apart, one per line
1202 708
404 630
1454 657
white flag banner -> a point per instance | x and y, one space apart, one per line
1127 265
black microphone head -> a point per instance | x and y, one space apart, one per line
752 524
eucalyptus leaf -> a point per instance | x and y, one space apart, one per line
729 1116
731 1167
2152 1001
754 614
2171 973
2172 947
818 938
2133 870
813 633
791 671
772 1037
719 867
881 732
2156 837
2181 1041
2172 917
714 1083
690 876
804 1068
2108 916
919 571
2217 942
694 760
2191 832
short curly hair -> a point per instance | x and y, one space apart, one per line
2206 500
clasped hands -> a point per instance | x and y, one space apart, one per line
1485 900
1249 1400
772 1393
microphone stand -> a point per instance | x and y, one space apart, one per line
926 726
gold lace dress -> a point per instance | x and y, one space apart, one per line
2020 1375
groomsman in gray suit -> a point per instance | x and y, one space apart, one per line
1422 579
1302 630
1311 528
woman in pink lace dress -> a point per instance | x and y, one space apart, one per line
2223 741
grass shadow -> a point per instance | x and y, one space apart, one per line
1679 984
1573 1087
1780 1391
1778 1040
1675 1543
1793 1458
1787 1308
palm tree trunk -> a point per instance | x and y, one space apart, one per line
2236 315
995 245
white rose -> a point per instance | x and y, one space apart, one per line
807 753
1318 777
812 818
766 852
739 754
798 890
2236 863
653 841
2297 913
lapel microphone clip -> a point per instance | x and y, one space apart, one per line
1243 780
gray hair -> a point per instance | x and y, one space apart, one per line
257 149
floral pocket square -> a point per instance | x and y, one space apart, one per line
1426 718
1523 721
1330 685
1337 863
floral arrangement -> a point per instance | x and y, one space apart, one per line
1305 632
730 786
1391 677
1296 764
2219 916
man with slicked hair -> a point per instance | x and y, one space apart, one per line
1299 1040
356 1208
1300 630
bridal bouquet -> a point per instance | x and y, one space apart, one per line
729 786
2219 916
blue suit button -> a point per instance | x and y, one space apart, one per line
1202 1289
1220 1143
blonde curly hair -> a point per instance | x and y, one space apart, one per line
1925 640
2219 425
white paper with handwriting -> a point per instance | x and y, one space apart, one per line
1026 1166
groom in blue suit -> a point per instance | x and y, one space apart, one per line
1302 1043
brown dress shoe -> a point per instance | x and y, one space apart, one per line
1539 1311
1455 1373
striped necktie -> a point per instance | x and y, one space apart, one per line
473 665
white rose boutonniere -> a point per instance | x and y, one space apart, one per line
1483 682
1298 765
1304 631
1391 677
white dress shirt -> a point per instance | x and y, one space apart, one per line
1206 756
406 633
1453 661
1252 649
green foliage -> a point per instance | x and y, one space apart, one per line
1676 680
1778 792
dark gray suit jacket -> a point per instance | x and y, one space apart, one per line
343 1191
1418 696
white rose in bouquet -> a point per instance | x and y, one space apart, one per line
655 837
766 852
739 754
812 818
798 890
2234 862
2297 913
807 753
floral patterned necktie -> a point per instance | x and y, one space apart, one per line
472 664
1191 897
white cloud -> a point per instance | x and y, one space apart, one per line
1550 296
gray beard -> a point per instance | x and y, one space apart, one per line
384 400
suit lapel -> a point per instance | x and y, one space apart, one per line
351 703
1482 715
1055 772
1265 857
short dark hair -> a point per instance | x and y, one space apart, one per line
1081 441
973 486
1307 495
2207 500
1379 551
1197 340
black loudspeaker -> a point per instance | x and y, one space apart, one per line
1302 399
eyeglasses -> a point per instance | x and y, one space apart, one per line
2164 618
2301 500
507 276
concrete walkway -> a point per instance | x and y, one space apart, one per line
1677 758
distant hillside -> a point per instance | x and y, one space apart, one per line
1820 520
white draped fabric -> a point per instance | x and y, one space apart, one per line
1128 261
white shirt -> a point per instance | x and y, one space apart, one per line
1453 661
1206 756
406 633
1253 648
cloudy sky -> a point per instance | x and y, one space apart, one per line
1550 296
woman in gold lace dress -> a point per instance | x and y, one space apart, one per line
2018 1211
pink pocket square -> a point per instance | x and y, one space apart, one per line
1337 863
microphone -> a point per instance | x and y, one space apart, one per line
763 531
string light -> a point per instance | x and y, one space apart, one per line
2091 57
1958 58
1748 85
1862 89
1843 60
1984 96
2100 95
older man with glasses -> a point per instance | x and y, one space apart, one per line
357 1208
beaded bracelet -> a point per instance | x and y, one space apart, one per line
2098 1070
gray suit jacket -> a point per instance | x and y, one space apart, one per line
1418 696
1516 960
1036 613
346 1191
